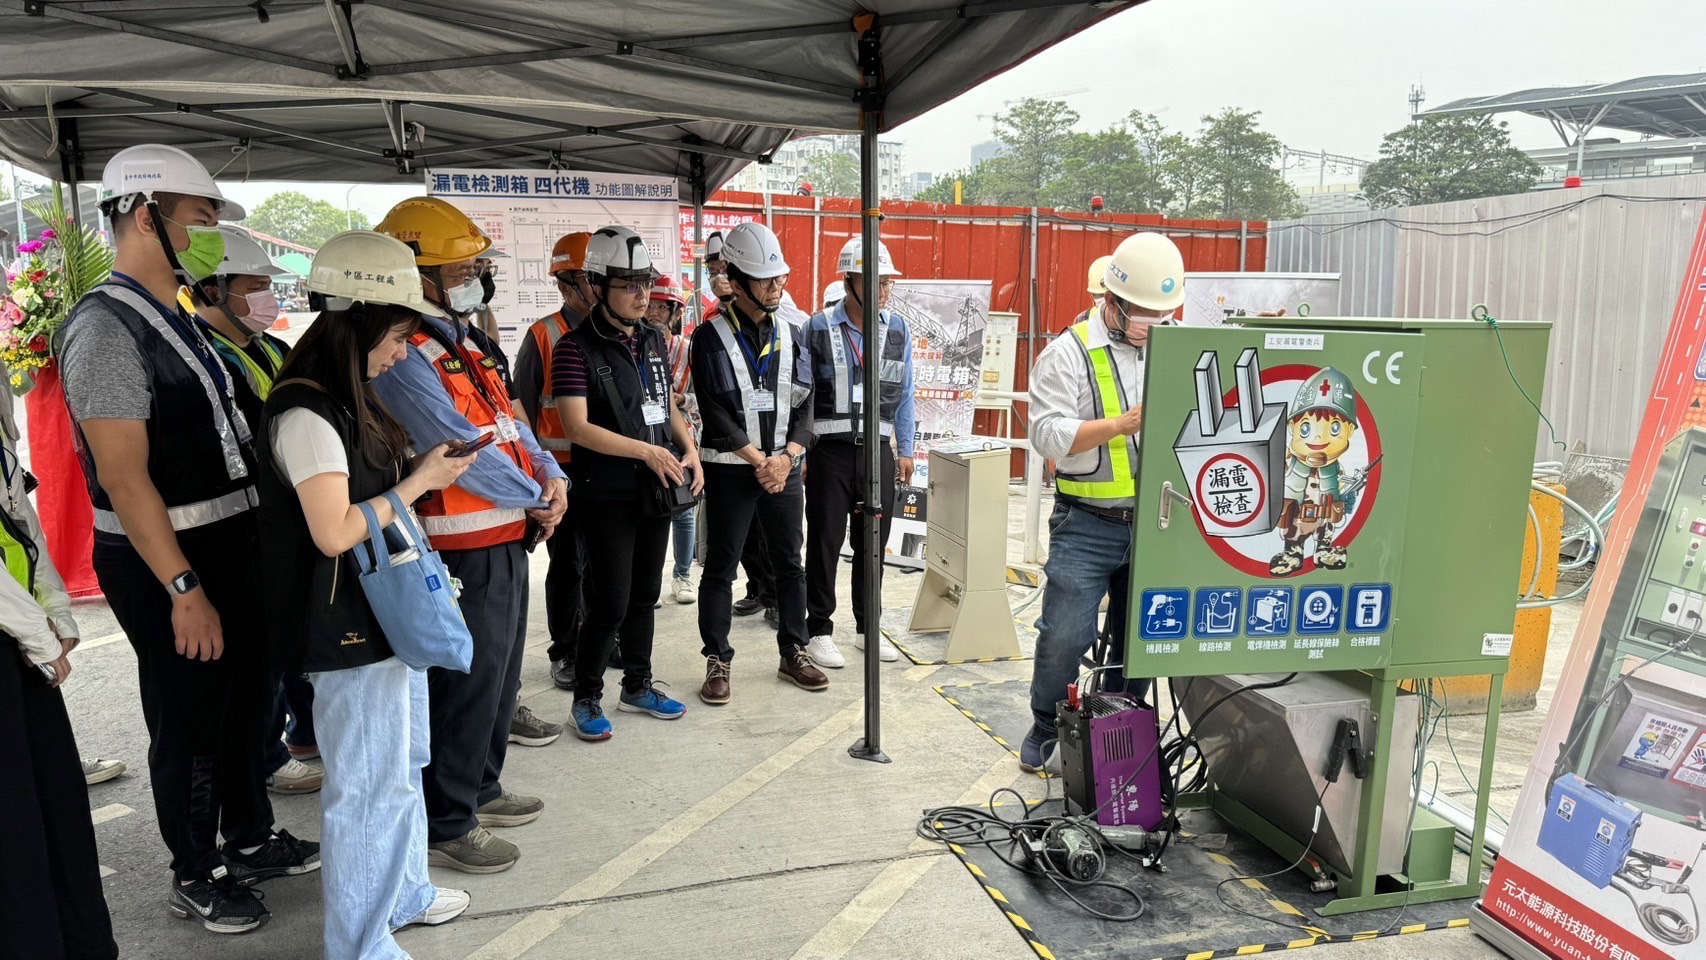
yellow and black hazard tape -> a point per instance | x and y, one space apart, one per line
1024 576
1019 923
986 728
1319 936
918 659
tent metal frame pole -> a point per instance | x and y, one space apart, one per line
70 167
697 172
870 746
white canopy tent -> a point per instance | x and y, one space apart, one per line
376 90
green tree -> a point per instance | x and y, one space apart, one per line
1121 164
1451 157
300 219
834 175
972 187
1038 136
1237 163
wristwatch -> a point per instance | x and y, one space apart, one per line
796 458
185 582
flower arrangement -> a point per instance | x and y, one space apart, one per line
52 272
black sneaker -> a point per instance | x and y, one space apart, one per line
281 856
563 674
218 903
772 617
747 606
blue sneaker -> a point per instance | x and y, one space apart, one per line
588 716
648 699
1032 752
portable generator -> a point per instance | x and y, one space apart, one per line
1109 760
1588 830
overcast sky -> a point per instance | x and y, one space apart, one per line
1327 75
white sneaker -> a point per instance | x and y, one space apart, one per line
295 777
96 770
825 653
447 906
684 592
886 652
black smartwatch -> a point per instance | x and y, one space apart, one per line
185 582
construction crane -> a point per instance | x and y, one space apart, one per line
1008 104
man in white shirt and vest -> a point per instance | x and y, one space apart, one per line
1086 410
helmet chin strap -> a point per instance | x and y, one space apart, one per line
746 288
197 294
1120 334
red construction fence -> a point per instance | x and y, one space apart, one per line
951 242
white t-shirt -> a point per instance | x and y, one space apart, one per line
305 444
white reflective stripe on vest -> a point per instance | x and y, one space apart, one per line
838 337
441 526
748 389
553 443
233 430
191 515
833 429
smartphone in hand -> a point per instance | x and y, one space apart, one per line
467 448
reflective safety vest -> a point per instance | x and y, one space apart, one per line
259 377
453 518
782 395
840 396
19 549
1112 478
549 430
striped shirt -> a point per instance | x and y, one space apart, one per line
568 365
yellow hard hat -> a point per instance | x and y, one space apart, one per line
1098 271
437 232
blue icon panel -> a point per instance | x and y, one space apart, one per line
1320 609
1163 614
1370 608
1215 612
1269 613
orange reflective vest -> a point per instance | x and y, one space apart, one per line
453 518
549 430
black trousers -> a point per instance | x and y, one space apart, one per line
623 577
51 904
208 721
835 483
755 560
470 712
737 508
563 586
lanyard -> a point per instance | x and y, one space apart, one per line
191 336
759 370
858 353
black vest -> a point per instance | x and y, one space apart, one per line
186 460
599 476
891 367
725 374
320 619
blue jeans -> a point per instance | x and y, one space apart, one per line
373 729
1088 558
684 543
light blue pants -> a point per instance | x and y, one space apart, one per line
372 727
1089 557
682 524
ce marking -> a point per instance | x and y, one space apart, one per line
1373 357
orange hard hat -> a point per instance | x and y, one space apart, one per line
665 288
569 253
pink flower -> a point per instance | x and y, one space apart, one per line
49 234
30 246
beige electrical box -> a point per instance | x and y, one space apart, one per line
965 553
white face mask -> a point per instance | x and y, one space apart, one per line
466 298
263 311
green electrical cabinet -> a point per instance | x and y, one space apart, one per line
1339 495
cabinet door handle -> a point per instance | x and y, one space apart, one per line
1169 494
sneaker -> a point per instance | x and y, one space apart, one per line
588 717
281 856
447 906
799 671
310 752
772 617
1032 758
218 904
747 606
825 653
684 592
716 688
96 770
295 777
885 650
510 810
614 661
648 699
530 731
563 674
476 851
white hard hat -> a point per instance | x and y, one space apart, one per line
853 258
835 292
371 267
618 252
753 248
1147 270
151 168
244 256
1099 273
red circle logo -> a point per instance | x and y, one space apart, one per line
1229 487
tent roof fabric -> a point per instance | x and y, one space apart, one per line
298 264
1663 106
377 90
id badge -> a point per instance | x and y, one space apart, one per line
654 412
506 429
764 402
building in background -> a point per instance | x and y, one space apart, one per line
987 150
790 166
1332 198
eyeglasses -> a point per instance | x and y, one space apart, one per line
771 283
716 268
619 287
460 275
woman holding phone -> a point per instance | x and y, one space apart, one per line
327 445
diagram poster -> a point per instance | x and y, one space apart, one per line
948 319
526 211
1602 855
1213 298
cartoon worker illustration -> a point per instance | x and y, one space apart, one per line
1321 422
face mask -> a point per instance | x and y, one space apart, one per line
206 252
466 298
263 311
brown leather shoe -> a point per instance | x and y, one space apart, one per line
716 688
798 669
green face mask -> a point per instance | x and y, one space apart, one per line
206 251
